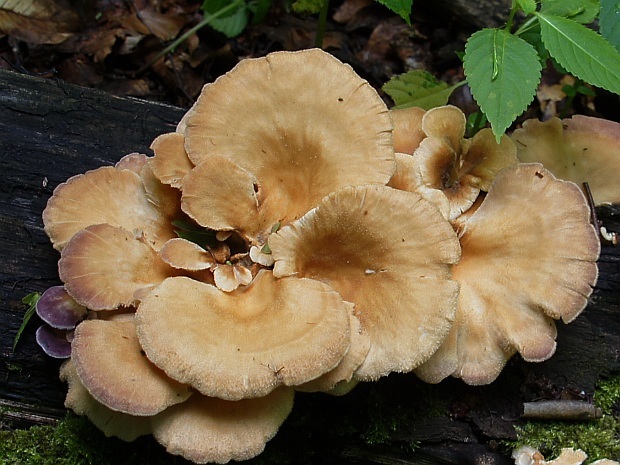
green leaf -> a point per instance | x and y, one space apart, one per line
260 10
230 24
417 88
30 300
308 6
503 72
609 22
401 7
194 233
581 51
582 11
527 6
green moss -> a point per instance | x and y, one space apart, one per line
75 441
599 438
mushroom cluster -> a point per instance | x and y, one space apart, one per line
304 242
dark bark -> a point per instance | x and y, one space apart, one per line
51 130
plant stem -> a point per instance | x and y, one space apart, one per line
511 16
320 26
205 21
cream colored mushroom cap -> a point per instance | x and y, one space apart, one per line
580 149
387 251
408 131
297 143
170 163
247 342
105 195
112 423
113 367
104 267
206 429
528 256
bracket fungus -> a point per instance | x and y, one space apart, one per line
528 257
261 251
578 149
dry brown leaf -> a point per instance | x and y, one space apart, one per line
38 21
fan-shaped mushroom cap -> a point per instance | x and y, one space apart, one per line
288 145
132 162
206 429
103 267
387 251
247 342
105 195
408 131
183 254
58 309
113 367
170 163
53 342
112 423
580 149
528 256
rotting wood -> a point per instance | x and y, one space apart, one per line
52 130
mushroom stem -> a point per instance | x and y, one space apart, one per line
561 410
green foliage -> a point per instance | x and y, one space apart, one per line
234 20
599 438
190 231
581 51
503 72
309 6
581 11
401 7
30 300
609 22
417 88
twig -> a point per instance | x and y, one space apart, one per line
561 410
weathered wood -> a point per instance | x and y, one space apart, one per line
51 130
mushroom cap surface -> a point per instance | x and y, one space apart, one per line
105 195
112 423
296 145
207 429
580 149
58 309
247 342
389 253
170 163
53 342
528 257
114 368
408 132
104 267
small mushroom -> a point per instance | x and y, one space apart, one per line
408 132
528 257
247 342
388 252
59 310
104 267
113 367
286 149
54 342
170 163
112 423
206 429
580 149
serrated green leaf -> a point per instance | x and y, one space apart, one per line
609 22
581 51
503 72
527 6
417 88
401 7
230 24
582 11
30 300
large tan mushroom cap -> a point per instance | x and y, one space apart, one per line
247 342
113 367
408 131
580 149
105 195
206 429
170 163
528 256
387 251
104 267
112 423
296 144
